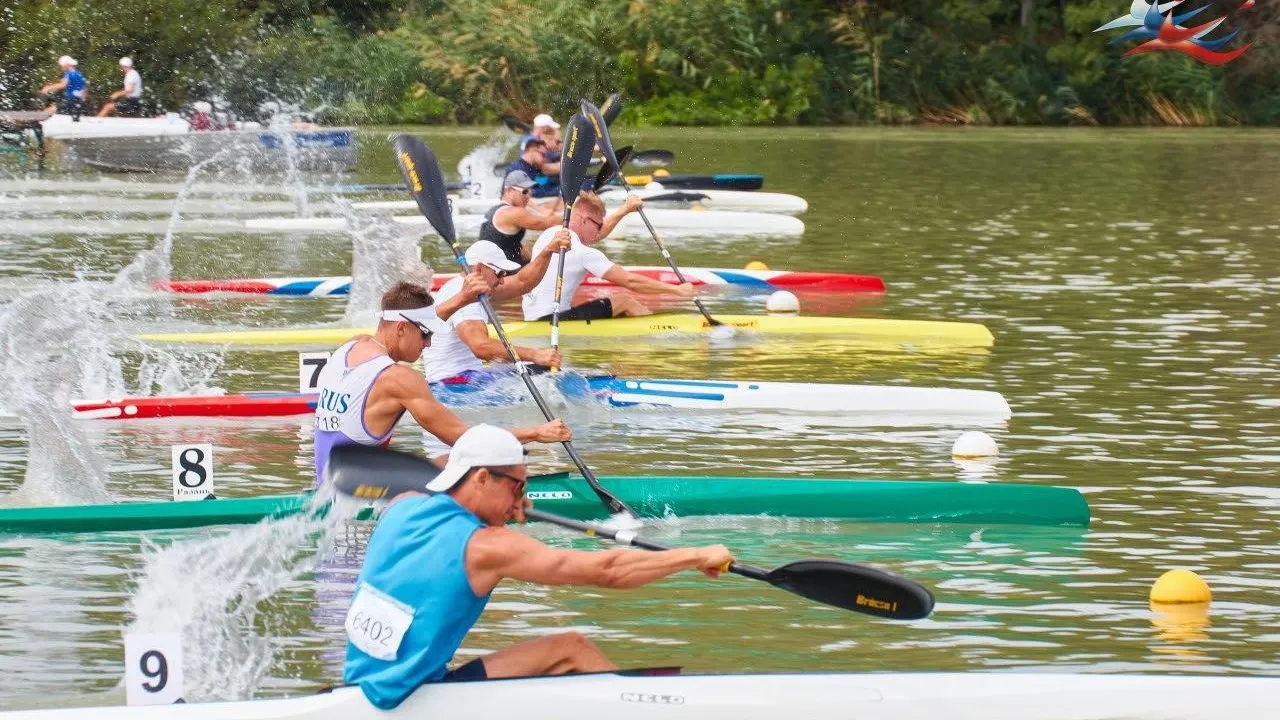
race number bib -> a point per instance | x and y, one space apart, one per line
377 623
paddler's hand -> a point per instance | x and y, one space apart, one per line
473 285
552 432
518 510
685 290
547 357
560 241
632 203
714 559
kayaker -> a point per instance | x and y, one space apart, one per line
533 162
127 101
458 351
73 86
433 561
364 388
505 223
588 225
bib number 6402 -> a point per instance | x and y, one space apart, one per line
377 623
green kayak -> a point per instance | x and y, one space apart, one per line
895 501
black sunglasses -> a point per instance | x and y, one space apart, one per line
520 482
426 334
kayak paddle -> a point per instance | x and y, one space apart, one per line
608 171
592 113
578 144
517 126
422 176
375 473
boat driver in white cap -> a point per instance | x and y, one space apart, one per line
434 559
366 386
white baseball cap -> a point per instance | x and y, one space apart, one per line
544 120
481 446
488 253
67 60
424 317
126 62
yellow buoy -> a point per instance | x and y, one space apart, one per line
756 265
661 173
1180 586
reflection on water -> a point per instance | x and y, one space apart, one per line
1134 314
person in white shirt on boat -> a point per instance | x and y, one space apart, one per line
588 225
457 353
127 101
365 387
434 560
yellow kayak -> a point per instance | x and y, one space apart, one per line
872 331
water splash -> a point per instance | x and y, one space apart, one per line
213 592
54 346
156 264
382 254
476 168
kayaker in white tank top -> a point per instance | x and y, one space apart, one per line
364 389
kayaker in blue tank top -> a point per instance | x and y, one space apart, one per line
434 560
533 162
73 86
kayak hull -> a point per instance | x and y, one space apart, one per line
856 400
668 222
710 199
760 280
873 332
840 696
893 501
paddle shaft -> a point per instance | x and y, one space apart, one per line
610 500
629 537
555 304
606 145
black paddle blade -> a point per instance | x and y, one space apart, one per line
421 173
578 144
854 587
375 473
608 171
653 158
610 108
517 126
592 114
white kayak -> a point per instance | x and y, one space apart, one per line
667 222
802 696
855 400
63 126
753 201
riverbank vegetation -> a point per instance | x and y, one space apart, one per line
704 62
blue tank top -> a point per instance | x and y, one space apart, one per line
417 557
75 83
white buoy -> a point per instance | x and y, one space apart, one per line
782 301
974 444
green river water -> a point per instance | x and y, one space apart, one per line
1131 279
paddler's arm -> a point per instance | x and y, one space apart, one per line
526 218
60 85
630 205
475 333
495 553
400 387
635 282
532 274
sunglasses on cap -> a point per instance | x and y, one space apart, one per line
426 334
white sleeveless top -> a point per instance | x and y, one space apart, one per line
340 407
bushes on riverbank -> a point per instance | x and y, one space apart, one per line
676 61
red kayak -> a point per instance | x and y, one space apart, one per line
244 405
